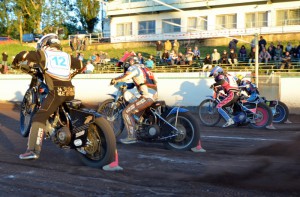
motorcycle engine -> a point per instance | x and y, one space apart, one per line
150 132
240 117
63 136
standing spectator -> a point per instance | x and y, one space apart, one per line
165 56
243 53
85 42
224 57
159 49
79 42
196 53
264 56
140 58
207 63
176 46
189 56
252 56
168 46
4 59
232 45
71 44
262 43
252 44
286 61
89 67
215 57
233 58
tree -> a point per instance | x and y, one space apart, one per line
89 10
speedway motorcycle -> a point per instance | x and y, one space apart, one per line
279 110
254 114
70 126
175 127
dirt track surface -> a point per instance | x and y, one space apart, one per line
238 162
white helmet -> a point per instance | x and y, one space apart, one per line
47 40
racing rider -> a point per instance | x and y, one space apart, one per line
146 84
231 89
56 66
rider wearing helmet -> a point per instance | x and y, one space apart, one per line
145 82
56 66
248 86
230 87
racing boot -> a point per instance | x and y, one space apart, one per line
29 155
228 123
130 139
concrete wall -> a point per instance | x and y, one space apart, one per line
184 89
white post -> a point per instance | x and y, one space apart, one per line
256 59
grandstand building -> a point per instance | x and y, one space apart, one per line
151 20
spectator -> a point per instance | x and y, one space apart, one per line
159 48
172 58
126 56
176 46
278 55
262 43
102 57
165 56
294 53
281 46
4 59
168 46
207 63
98 59
180 59
271 51
252 56
93 57
89 67
252 44
224 57
233 58
232 45
196 53
298 51
243 53
286 61
71 44
79 43
149 63
189 56
264 56
215 57
140 58
85 42
80 56
288 47
107 58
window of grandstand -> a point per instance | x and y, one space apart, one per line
256 19
227 21
124 29
171 25
146 27
197 23
288 17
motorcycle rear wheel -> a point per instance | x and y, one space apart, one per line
190 132
113 115
101 146
208 112
28 109
281 113
263 117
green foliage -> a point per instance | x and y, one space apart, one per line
89 10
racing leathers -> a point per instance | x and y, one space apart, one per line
57 67
250 88
231 89
146 85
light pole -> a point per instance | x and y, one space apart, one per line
256 59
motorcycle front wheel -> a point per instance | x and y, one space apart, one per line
262 118
101 144
28 109
281 113
208 112
189 132
113 113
